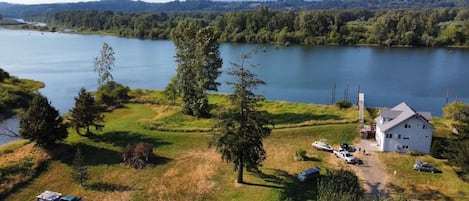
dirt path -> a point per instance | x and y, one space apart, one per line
372 172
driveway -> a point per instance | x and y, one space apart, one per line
372 172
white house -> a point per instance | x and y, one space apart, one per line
401 129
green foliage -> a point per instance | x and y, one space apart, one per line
15 93
198 57
454 110
104 63
344 104
457 152
3 75
79 170
339 185
242 127
396 27
300 154
171 91
438 148
86 112
42 123
112 94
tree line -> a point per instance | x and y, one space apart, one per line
431 27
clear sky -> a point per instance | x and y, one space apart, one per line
63 1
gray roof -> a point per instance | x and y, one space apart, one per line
400 113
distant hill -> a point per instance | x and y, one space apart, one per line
127 6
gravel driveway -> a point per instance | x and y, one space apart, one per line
372 172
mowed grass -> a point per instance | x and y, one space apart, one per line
423 185
185 167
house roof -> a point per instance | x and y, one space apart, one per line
400 113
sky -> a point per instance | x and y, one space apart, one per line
63 1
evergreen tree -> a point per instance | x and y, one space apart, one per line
86 112
198 57
79 169
104 63
242 128
457 151
42 123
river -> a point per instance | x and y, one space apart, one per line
387 76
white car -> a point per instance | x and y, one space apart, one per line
346 156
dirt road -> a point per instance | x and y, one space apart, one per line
372 172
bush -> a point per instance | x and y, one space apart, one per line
300 155
138 156
112 94
339 185
414 153
344 104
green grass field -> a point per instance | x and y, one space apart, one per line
186 168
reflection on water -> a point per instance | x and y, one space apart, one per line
11 124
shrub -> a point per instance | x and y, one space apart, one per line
339 185
344 104
415 153
138 156
112 94
300 155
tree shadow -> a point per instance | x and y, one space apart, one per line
123 138
295 118
296 190
102 186
92 155
377 191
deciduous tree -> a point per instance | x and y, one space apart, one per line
103 64
198 57
42 123
242 128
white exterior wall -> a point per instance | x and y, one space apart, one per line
415 137
379 136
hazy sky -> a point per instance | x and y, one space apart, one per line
63 1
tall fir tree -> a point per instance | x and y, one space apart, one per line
104 63
457 150
242 128
79 169
42 123
198 57
86 112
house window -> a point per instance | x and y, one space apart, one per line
405 146
406 138
407 125
424 126
389 135
399 136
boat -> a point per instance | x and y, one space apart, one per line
321 145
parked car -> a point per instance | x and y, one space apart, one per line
309 174
347 147
423 166
346 156
54 196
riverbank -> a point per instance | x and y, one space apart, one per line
185 163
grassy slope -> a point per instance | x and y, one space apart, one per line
187 169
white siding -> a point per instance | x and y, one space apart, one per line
416 138
379 136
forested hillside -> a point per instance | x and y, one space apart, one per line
432 27
128 6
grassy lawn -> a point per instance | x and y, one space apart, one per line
423 185
186 168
